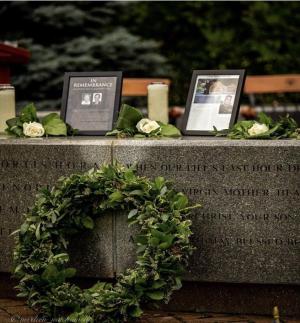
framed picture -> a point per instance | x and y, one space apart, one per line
213 101
91 101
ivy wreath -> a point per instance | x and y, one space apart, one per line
163 245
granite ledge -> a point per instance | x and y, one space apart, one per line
57 141
207 142
183 141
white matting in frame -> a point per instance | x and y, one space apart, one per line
213 101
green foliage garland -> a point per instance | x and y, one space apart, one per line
286 127
163 245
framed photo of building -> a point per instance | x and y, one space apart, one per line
213 101
91 101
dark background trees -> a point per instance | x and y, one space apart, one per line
148 39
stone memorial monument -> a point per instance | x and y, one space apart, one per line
247 232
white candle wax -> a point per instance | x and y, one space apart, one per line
158 102
7 105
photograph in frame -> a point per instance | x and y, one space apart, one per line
91 101
213 101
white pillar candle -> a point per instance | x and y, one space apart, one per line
158 102
7 105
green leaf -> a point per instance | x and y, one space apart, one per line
159 182
178 282
14 122
50 273
116 196
136 311
157 234
49 117
109 172
128 117
23 294
141 249
16 131
220 133
53 217
18 268
165 217
164 190
37 231
180 201
139 135
24 227
158 284
73 317
168 241
69 272
15 127
142 239
14 232
114 132
154 241
157 295
80 317
168 130
137 193
88 222
132 213
63 257
54 125
263 118
28 114
129 174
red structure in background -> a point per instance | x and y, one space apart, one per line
9 56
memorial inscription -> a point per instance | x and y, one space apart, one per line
28 165
248 229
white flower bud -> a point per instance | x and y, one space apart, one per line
147 126
33 129
257 129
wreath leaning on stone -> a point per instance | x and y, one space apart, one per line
163 245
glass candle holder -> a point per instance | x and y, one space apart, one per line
158 105
7 105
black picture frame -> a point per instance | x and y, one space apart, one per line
114 109
241 73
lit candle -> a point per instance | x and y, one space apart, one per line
7 105
158 102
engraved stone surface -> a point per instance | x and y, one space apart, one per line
246 232
248 228
26 165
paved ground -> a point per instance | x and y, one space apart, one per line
16 311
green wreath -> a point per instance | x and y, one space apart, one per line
163 245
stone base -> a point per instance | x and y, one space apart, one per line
236 298
11 310
211 297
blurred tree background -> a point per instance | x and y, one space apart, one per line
144 39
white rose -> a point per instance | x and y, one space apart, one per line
147 125
33 129
257 129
